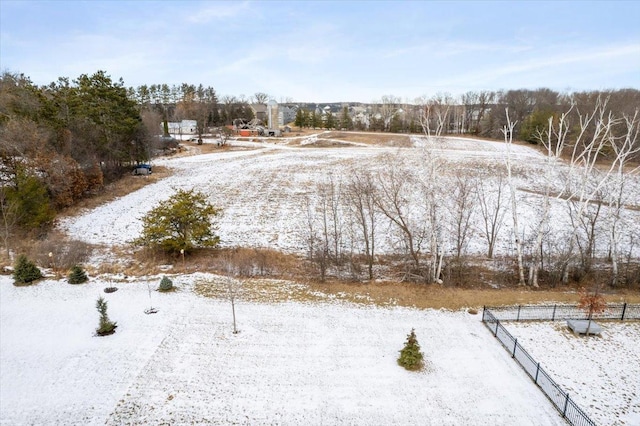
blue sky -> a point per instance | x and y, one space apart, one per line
328 51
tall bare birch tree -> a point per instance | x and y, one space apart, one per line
554 139
507 131
624 149
585 180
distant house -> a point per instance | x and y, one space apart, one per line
184 127
259 111
286 115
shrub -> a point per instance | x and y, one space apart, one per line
77 275
106 326
25 271
165 284
410 355
180 224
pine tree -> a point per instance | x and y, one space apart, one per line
106 326
77 275
345 120
165 284
300 118
25 271
183 222
329 122
410 356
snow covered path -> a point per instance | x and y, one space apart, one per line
290 364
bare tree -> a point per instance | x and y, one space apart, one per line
232 284
585 178
315 233
492 210
508 139
476 105
361 195
554 139
463 198
434 117
329 194
260 97
388 108
395 186
624 149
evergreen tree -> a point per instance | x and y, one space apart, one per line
345 120
535 126
329 121
165 284
25 271
410 356
77 275
30 200
300 118
316 120
183 222
106 326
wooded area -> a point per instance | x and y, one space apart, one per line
63 142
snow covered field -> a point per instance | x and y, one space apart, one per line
601 374
290 364
262 188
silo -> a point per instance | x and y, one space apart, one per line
272 114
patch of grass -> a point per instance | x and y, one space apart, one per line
386 294
384 139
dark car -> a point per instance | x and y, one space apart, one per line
142 169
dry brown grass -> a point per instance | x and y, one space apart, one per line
384 139
388 294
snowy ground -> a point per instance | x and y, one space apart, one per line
601 374
261 188
290 364
322 363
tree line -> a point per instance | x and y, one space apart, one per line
553 223
66 140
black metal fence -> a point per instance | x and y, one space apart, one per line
613 311
491 317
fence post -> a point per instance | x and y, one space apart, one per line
495 333
519 307
624 309
537 371
566 403
515 345
553 317
484 308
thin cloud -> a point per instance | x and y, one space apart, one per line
215 11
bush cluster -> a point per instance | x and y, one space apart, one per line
25 271
77 275
165 284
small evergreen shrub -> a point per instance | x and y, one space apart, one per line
25 272
77 275
410 356
165 284
106 326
